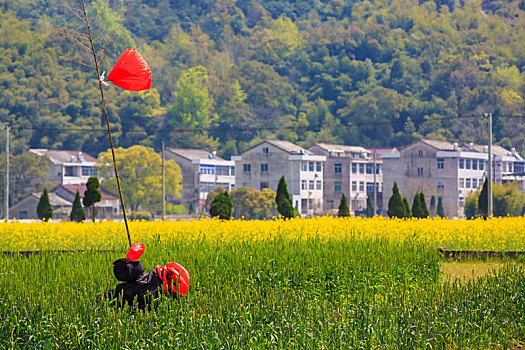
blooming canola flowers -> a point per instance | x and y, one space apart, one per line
495 234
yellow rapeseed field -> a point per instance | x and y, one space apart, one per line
495 234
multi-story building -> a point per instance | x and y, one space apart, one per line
444 169
350 170
202 171
68 167
263 165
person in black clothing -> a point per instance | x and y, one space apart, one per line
146 287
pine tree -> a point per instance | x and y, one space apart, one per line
221 206
283 200
416 206
344 211
44 209
440 211
78 213
92 195
370 212
483 204
423 203
406 207
433 206
396 209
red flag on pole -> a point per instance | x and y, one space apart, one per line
131 72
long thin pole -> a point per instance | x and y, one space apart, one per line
7 172
163 186
489 187
107 121
375 184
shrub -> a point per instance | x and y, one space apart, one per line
78 213
44 209
344 211
221 206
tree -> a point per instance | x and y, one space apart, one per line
396 208
370 212
44 209
221 206
248 203
471 207
283 200
27 172
344 210
440 211
432 206
92 195
408 212
140 170
192 109
78 214
483 204
423 203
508 200
416 207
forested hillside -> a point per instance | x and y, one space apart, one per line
228 73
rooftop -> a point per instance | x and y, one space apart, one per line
192 154
64 156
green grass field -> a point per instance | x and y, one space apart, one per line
332 294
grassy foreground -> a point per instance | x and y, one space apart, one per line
314 293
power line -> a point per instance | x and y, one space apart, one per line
257 128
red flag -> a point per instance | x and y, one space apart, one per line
131 72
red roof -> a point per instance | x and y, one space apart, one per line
82 188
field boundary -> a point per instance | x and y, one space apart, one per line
455 254
26 253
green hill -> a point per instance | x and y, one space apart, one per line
373 73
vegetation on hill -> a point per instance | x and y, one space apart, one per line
301 71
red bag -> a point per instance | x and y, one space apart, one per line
131 72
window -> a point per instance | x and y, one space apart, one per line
264 167
232 169
441 164
461 183
420 153
338 168
222 170
303 184
481 163
370 168
354 168
354 186
467 183
474 164
265 151
318 185
467 163
474 183
206 187
207 169
461 163
337 186
68 171
311 166
246 168
440 184
22 214
86 171
264 185
420 171
361 186
370 187
311 184
378 166
318 167
361 168
304 166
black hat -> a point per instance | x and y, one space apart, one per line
127 270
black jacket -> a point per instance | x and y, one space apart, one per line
145 286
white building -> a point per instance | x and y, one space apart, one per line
202 171
68 167
263 165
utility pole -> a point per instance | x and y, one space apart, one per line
375 184
489 170
163 186
6 127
